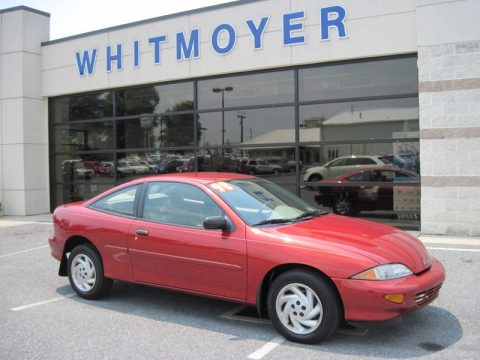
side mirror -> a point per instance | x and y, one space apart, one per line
215 223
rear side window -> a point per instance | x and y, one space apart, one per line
339 162
363 176
360 161
121 202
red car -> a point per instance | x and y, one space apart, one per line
244 239
367 189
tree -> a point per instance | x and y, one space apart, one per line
177 130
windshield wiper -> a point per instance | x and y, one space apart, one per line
272 221
309 215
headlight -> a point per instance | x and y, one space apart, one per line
384 272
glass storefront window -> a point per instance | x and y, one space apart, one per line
81 107
83 137
247 90
155 99
357 120
362 79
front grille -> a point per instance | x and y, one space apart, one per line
428 296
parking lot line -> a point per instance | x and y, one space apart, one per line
265 349
452 249
18 308
24 251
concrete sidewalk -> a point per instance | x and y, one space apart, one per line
7 221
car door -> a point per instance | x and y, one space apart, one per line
334 168
385 194
363 194
169 246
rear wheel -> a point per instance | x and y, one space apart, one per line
314 178
85 273
303 307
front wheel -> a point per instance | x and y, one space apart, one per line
342 205
85 273
303 307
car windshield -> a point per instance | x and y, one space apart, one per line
261 202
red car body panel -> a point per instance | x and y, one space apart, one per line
232 265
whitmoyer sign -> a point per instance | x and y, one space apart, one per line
223 39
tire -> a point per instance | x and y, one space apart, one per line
292 295
276 171
85 273
342 205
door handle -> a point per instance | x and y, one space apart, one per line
141 232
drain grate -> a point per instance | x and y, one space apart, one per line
245 313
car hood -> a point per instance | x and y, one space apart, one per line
380 243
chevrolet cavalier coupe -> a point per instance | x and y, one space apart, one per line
244 239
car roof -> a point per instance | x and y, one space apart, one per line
201 177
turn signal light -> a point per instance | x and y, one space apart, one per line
395 298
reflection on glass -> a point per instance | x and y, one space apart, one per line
364 120
346 197
67 193
137 164
155 99
155 131
83 168
83 137
248 127
392 203
150 119
247 90
373 78
81 107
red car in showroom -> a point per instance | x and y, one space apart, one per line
367 190
244 239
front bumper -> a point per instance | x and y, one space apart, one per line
364 300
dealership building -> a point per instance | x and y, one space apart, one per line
281 85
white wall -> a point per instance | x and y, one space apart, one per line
23 124
374 27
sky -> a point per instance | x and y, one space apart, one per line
72 17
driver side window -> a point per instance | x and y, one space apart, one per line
178 204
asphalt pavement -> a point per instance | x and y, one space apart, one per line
41 318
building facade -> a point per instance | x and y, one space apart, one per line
384 96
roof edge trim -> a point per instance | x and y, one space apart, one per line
25 8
